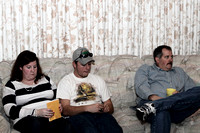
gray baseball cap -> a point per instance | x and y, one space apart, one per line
82 55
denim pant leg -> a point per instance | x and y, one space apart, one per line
31 124
161 122
179 116
107 123
95 123
180 106
84 123
60 125
180 101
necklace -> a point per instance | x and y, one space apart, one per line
29 86
29 89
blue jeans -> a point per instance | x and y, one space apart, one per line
95 123
31 124
173 109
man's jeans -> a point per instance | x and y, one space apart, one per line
173 109
95 123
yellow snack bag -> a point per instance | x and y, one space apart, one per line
54 106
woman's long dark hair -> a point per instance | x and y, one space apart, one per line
25 58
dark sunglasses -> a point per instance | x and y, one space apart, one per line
85 54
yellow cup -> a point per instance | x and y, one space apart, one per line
170 91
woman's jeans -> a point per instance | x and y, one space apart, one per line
173 109
32 124
95 123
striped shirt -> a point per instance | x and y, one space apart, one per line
20 100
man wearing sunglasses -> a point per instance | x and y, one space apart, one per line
85 97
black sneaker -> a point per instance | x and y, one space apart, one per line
145 111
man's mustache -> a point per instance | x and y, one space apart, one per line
170 63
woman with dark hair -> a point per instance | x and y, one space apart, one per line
25 97
25 58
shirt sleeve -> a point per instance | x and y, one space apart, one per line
105 92
54 88
141 83
188 82
13 110
62 89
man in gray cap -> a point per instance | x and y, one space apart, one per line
85 97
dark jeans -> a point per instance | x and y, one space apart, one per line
31 124
95 123
174 109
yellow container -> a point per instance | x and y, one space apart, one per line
170 91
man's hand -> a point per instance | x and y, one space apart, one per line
106 108
94 108
60 108
68 110
175 92
154 97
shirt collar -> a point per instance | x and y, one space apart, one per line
158 68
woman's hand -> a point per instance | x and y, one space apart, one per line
47 113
